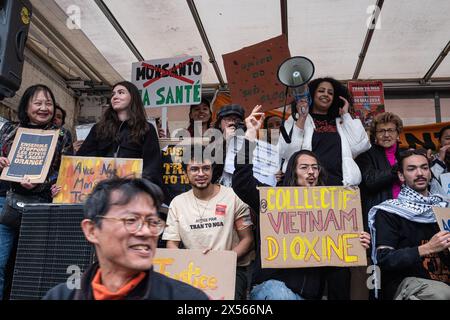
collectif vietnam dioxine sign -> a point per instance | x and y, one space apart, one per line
31 155
311 227
169 82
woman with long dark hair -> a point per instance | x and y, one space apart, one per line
303 169
327 128
123 132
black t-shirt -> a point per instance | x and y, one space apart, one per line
405 237
326 144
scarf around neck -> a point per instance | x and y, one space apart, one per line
410 205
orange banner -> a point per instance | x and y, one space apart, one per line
422 136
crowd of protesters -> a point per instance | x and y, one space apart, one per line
324 145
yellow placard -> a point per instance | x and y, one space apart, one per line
214 272
311 227
79 175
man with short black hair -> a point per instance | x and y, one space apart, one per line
211 217
122 221
407 244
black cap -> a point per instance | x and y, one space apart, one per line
231 109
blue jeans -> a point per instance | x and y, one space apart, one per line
273 290
6 243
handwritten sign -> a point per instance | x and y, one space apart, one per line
31 155
214 273
368 99
442 218
311 227
169 82
79 175
252 74
173 176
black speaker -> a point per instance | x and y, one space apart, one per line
15 18
51 249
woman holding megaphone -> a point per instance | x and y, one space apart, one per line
327 129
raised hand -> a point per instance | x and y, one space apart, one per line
345 108
254 122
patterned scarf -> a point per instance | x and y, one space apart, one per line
410 205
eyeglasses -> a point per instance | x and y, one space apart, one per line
384 131
196 169
134 224
305 167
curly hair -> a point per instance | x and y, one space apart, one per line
339 91
382 118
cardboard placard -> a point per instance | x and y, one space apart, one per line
311 227
169 82
442 218
214 272
368 99
252 74
31 155
79 175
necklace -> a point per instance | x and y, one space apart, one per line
198 208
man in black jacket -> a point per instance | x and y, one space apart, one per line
407 244
121 220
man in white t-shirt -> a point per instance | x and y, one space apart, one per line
211 217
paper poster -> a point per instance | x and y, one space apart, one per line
265 160
83 130
368 99
214 272
79 175
169 82
31 155
311 227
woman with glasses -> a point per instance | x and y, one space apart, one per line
379 165
36 111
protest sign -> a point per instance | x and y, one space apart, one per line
169 82
265 160
79 175
214 272
31 155
368 99
173 176
311 227
422 136
252 74
442 218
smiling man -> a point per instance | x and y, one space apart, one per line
211 217
121 220
408 246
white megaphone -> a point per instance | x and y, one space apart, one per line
295 73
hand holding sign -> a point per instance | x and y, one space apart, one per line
4 162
